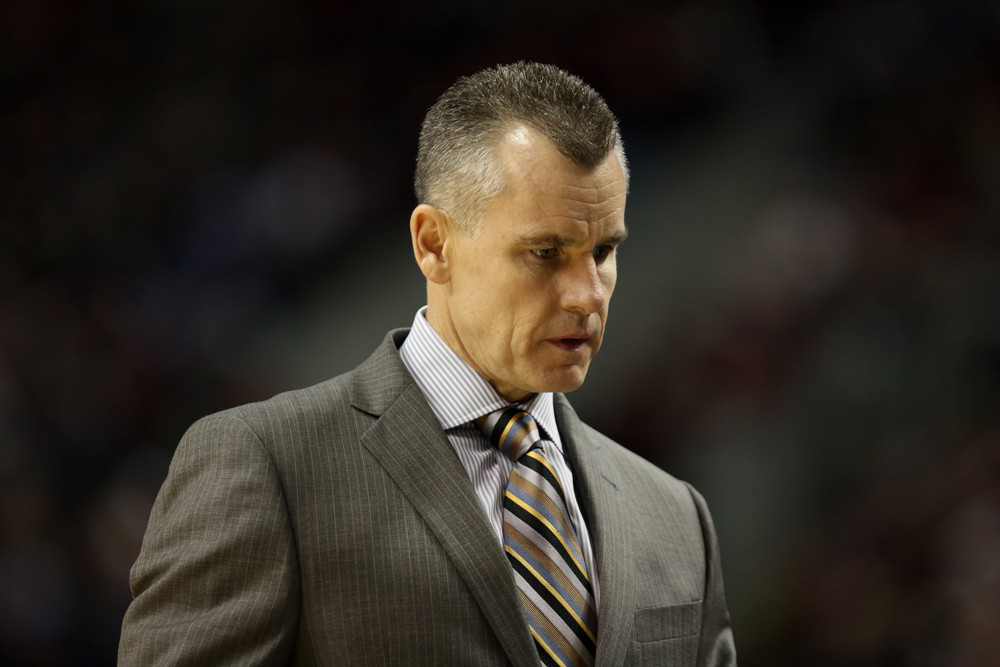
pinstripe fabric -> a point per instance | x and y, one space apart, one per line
334 525
548 566
458 395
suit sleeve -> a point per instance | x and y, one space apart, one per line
717 647
216 581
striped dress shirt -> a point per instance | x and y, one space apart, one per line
458 395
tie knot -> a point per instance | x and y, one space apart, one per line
511 430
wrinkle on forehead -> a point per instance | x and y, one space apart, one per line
591 206
596 197
537 170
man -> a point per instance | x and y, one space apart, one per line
442 504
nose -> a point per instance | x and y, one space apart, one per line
584 290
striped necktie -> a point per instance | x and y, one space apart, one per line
549 568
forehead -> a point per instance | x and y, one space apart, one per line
543 187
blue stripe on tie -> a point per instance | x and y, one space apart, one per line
560 541
557 658
550 644
530 501
535 461
543 570
538 582
539 517
553 613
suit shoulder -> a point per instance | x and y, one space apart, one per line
314 400
298 415
634 466
335 410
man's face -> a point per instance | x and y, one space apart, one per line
527 298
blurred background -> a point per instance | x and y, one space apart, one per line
205 203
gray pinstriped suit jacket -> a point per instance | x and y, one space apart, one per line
335 525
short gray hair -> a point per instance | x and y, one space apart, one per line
457 166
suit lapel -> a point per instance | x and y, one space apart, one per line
409 443
597 482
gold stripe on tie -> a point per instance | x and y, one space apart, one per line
552 579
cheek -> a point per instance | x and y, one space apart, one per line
514 330
609 275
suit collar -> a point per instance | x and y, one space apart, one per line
455 391
382 377
408 442
598 483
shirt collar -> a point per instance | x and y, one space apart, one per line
455 392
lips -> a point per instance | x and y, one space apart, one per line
571 342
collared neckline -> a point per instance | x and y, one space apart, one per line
455 392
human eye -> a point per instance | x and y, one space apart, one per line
602 252
545 253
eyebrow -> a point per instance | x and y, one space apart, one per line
558 240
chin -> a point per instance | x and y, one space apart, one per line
569 382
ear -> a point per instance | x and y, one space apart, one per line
429 232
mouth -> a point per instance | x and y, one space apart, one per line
571 342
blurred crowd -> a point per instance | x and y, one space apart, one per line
176 174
